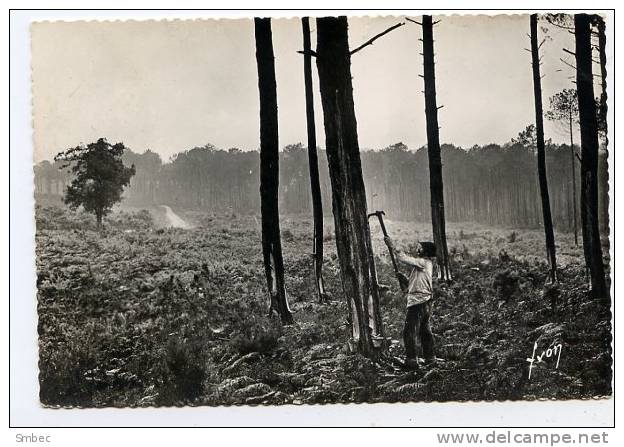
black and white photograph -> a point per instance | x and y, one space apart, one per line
323 209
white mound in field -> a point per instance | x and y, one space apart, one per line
174 220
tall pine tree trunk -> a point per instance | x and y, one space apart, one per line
541 152
315 183
433 148
269 172
589 156
573 160
603 175
602 57
353 239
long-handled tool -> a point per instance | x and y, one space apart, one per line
403 280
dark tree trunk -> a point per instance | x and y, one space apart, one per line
315 183
353 239
573 160
98 219
541 152
433 148
602 52
603 192
589 156
269 172
603 176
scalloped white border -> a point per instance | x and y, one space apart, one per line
25 408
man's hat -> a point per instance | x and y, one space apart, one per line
428 249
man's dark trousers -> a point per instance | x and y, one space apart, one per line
417 324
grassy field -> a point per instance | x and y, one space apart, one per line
143 315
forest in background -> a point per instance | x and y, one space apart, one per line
492 184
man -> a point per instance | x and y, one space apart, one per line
419 295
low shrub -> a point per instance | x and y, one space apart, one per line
506 283
288 235
256 334
62 375
183 372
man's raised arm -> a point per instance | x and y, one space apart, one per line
404 258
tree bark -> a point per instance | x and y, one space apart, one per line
541 152
269 172
589 156
603 176
602 55
353 239
573 160
315 183
438 221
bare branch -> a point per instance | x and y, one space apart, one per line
374 38
440 107
569 52
568 64
579 158
312 53
436 22
541 43
413 21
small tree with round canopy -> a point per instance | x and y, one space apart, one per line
100 176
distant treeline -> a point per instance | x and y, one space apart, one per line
491 184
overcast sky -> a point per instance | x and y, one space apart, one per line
169 86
